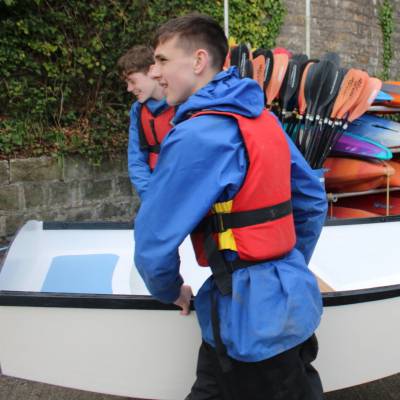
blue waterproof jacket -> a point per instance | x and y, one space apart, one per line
138 168
274 305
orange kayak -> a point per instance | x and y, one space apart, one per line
373 203
347 212
393 88
395 178
355 175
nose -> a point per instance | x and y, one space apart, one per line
154 72
129 87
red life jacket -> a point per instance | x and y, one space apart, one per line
258 222
152 130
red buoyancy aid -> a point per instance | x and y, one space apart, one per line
258 222
152 130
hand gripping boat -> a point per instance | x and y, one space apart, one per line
74 311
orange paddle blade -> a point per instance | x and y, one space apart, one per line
259 70
349 92
281 62
301 97
368 95
227 62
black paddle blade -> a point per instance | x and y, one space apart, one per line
316 89
310 82
248 70
303 60
333 57
290 83
244 55
269 64
335 90
330 86
235 55
260 51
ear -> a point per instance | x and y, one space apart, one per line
201 61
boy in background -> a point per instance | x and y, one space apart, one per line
150 115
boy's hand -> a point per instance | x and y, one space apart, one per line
183 301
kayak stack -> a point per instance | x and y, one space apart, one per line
332 115
390 105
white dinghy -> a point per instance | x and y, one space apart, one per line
74 312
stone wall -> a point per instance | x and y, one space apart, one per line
44 190
41 188
348 27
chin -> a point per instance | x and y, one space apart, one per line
143 99
171 101
174 101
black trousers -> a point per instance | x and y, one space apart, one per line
287 376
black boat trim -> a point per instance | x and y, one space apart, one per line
358 221
114 301
100 225
103 225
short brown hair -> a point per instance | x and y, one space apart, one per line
195 31
136 59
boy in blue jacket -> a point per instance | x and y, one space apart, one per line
257 316
145 131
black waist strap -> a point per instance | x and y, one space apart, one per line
220 222
221 269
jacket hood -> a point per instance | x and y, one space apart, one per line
225 92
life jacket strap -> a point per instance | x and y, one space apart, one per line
220 222
153 148
222 269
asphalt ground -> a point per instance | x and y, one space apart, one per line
20 389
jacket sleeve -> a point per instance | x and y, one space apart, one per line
200 160
308 201
138 168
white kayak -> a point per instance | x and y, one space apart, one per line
74 312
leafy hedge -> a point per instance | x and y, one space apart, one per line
59 90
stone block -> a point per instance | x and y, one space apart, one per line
9 198
123 186
112 167
96 190
16 220
36 195
63 193
117 211
4 173
35 169
76 168
82 214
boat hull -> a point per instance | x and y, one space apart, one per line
151 354
131 345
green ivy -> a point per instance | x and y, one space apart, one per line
59 90
386 22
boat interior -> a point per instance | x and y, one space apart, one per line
100 261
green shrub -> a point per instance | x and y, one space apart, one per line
59 90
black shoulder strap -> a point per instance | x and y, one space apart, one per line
144 144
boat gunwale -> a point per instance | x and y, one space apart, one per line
147 302
103 225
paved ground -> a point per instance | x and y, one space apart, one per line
19 389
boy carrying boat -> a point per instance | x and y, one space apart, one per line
229 176
150 115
